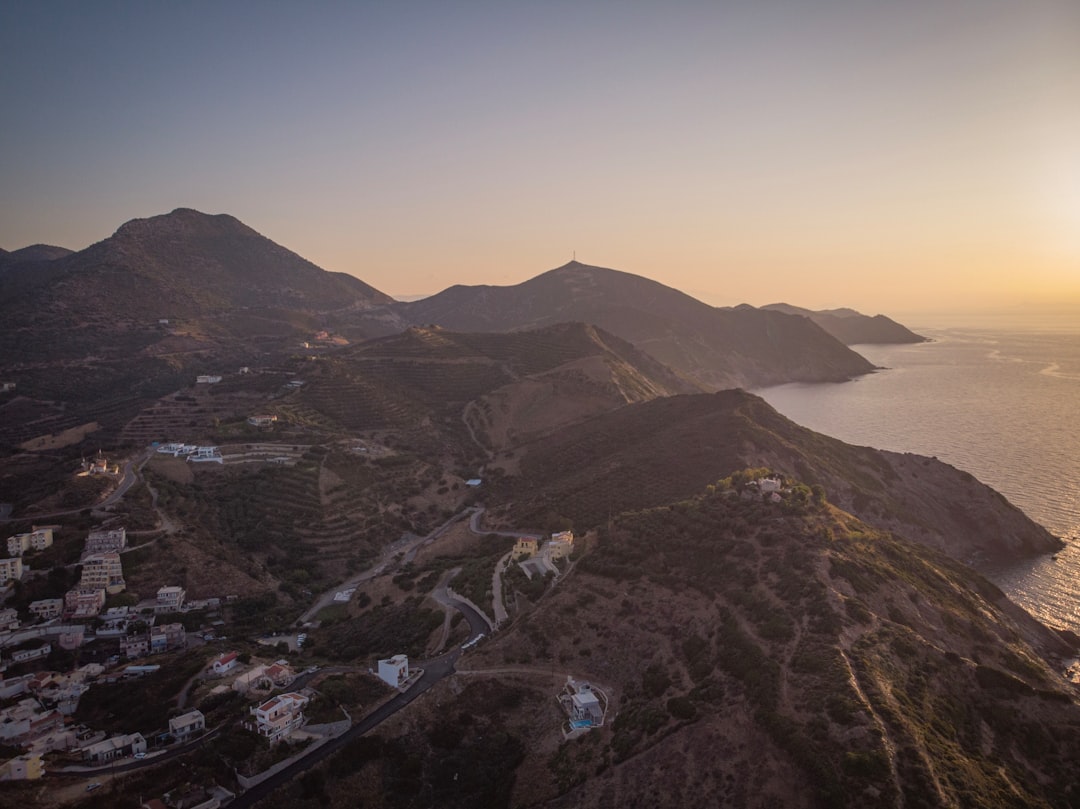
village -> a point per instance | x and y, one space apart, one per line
114 642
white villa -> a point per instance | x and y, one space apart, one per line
279 716
206 455
394 671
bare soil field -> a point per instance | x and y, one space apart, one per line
64 438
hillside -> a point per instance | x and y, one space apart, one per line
740 347
750 654
851 327
659 451
500 387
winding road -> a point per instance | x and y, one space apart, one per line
436 669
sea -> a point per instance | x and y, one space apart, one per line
998 397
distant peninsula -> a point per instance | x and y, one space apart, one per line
851 327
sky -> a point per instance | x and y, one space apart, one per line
892 157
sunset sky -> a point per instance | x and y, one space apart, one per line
893 157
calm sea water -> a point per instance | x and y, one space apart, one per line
1000 400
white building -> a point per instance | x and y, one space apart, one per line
206 455
23 655
41 538
185 726
170 599
103 571
105 540
226 662
47 608
18 544
561 544
116 747
207 379
281 715
394 670
84 602
11 569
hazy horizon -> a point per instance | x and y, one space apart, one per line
890 158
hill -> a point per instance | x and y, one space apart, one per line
749 654
740 347
35 252
655 452
500 388
851 327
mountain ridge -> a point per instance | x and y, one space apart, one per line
851 327
719 347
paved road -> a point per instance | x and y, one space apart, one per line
474 525
435 670
126 482
385 564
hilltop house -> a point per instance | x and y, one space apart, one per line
525 546
207 379
561 544
582 704
261 421
98 465
394 671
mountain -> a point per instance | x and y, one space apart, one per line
851 327
659 451
35 252
138 314
188 263
740 347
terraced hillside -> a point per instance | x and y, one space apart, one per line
430 376
307 514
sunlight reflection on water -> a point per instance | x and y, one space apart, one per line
1002 404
